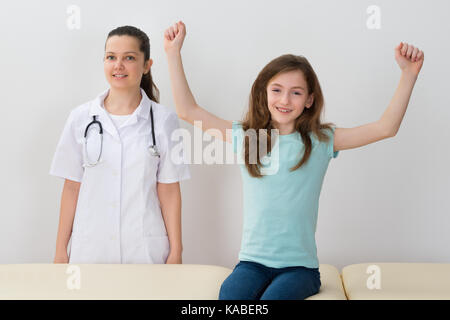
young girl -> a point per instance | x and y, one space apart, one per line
121 200
278 258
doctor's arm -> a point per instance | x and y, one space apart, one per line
69 200
169 195
410 61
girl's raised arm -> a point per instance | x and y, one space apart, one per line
410 61
185 104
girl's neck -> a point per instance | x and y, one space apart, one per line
284 129
122 102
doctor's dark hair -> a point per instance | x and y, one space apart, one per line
258 115
147 83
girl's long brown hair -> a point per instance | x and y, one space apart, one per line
258 115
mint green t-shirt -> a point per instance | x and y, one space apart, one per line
280 209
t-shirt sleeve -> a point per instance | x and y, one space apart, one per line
237 136
332 154
68 158
172 167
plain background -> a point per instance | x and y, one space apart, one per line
385 202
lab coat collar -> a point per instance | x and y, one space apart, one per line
143 110
97 108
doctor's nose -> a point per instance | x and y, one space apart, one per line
118 64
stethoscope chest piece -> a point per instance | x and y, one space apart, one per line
153 151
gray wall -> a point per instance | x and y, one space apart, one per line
384 202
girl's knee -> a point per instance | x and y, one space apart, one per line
226 290
244 283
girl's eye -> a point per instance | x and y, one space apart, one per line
298 93
108 57
276 90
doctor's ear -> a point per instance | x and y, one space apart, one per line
148 64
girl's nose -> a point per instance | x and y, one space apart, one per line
284 99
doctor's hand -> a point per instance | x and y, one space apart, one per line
409 58
61 258
174 37
174 258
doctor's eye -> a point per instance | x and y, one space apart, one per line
109 57
131 58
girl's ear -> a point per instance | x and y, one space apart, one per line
310 101
147 65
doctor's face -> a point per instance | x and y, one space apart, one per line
124 63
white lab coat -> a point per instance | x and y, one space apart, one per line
118 217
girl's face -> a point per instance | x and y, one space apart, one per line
124 63
287 97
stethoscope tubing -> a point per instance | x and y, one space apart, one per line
153 149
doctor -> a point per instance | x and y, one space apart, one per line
121 200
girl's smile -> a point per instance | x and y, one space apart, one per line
283 110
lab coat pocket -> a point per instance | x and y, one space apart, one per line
157 249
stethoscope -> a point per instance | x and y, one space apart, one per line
152 149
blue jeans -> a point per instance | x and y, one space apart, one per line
254 281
